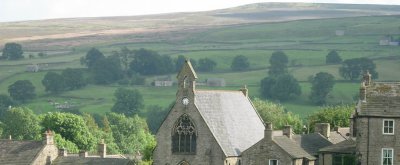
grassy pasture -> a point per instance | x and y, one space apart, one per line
305 42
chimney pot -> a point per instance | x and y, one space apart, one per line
83 154
62 152
102 149
268 131
323 128
287 131
245 91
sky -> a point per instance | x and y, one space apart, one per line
20 10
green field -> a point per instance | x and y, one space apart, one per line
306 42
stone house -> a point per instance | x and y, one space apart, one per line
13 152
375 121
374 139
163 82
215 82
29 152
274 150
32 68
206 127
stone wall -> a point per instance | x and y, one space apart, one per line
47 155
371 140
260 153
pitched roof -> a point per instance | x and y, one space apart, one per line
293 149
19 152
382 100
75 160
231 118
311 142
340 135
347 146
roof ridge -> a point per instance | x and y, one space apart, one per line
218 90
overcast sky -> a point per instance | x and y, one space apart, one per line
17 10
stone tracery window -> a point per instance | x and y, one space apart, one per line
184 136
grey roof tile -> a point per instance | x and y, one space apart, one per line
311 142
293 149
19 152
231 118
346 146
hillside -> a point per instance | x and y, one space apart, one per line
305 32
64 34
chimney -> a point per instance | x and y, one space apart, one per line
363 92
245 91
102 149
287 131
83 153
268 131
48 137
323 128
367 78
62 152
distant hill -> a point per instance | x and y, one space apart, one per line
47 33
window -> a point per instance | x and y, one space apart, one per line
273 162
387 156
185 82
184 136
343 159
388 126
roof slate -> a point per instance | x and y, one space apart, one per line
339 135
231 118
312 142
294 150
347 146
382 100
19 152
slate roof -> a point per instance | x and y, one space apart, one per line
231 118
347 146
14 152
339 135
312 142
294 150
75 160
382 100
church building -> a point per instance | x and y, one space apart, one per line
207 127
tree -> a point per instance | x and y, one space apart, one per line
22 90
353 68
206 65
107 70
91 57
322 84
99 134
71 127
53 82
155 116
276 114
21 124
333 58
147 62
278 63
240 63
128 101
12 51
73 79
5 103
283 87
334 115
131 134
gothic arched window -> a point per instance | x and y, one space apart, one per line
184 163
185 82
184 136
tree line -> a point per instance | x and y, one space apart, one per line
282 86
122 134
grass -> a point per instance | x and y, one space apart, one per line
305 42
